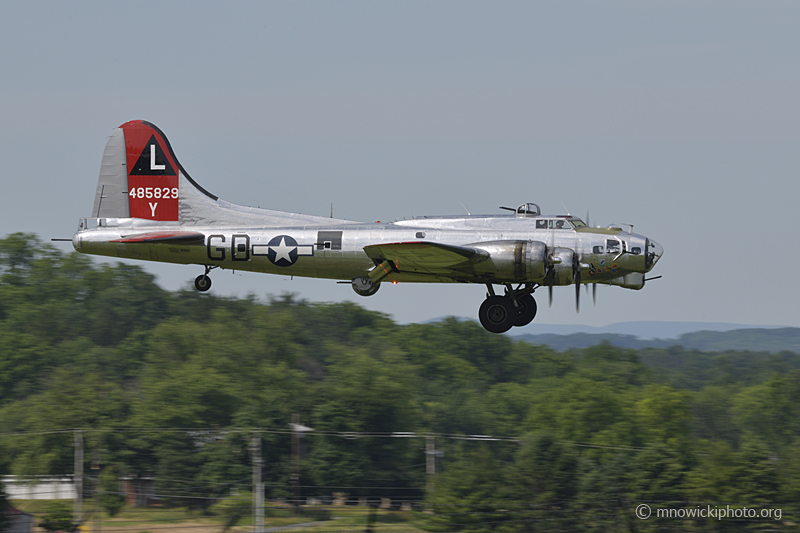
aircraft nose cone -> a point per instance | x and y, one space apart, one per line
654 253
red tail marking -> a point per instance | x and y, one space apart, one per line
152 173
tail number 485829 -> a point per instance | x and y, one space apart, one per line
154 192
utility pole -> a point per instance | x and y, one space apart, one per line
78 479
298 431
296 462
258 486
96 494
430 469
430 462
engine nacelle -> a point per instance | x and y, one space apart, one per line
513 261
562 259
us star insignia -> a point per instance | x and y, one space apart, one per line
283 250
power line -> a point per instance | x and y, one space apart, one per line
352 435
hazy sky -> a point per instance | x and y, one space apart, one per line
679 117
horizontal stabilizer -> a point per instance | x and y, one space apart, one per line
431 257
175 237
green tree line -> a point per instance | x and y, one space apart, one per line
597 430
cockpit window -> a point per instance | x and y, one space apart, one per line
559 223
578 223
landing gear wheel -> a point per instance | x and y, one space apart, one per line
364 286
526 310
497 314
202 283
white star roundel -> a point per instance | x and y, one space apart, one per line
283 250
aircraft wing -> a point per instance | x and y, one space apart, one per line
172 237
425 257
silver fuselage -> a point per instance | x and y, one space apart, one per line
147 207
336 251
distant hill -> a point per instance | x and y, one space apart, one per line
748 339
642 329
706 336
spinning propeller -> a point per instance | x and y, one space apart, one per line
576 277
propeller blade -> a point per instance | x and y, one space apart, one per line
594 293
576 268
551 270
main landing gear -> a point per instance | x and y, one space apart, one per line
202 282
517 307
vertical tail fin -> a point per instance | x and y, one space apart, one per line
140 175
141 178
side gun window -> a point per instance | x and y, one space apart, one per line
612 247
329 240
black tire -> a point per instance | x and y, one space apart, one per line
202 283
497 314
364 286
526 310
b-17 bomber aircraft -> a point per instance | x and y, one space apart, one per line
148 207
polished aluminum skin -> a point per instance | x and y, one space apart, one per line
523 248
